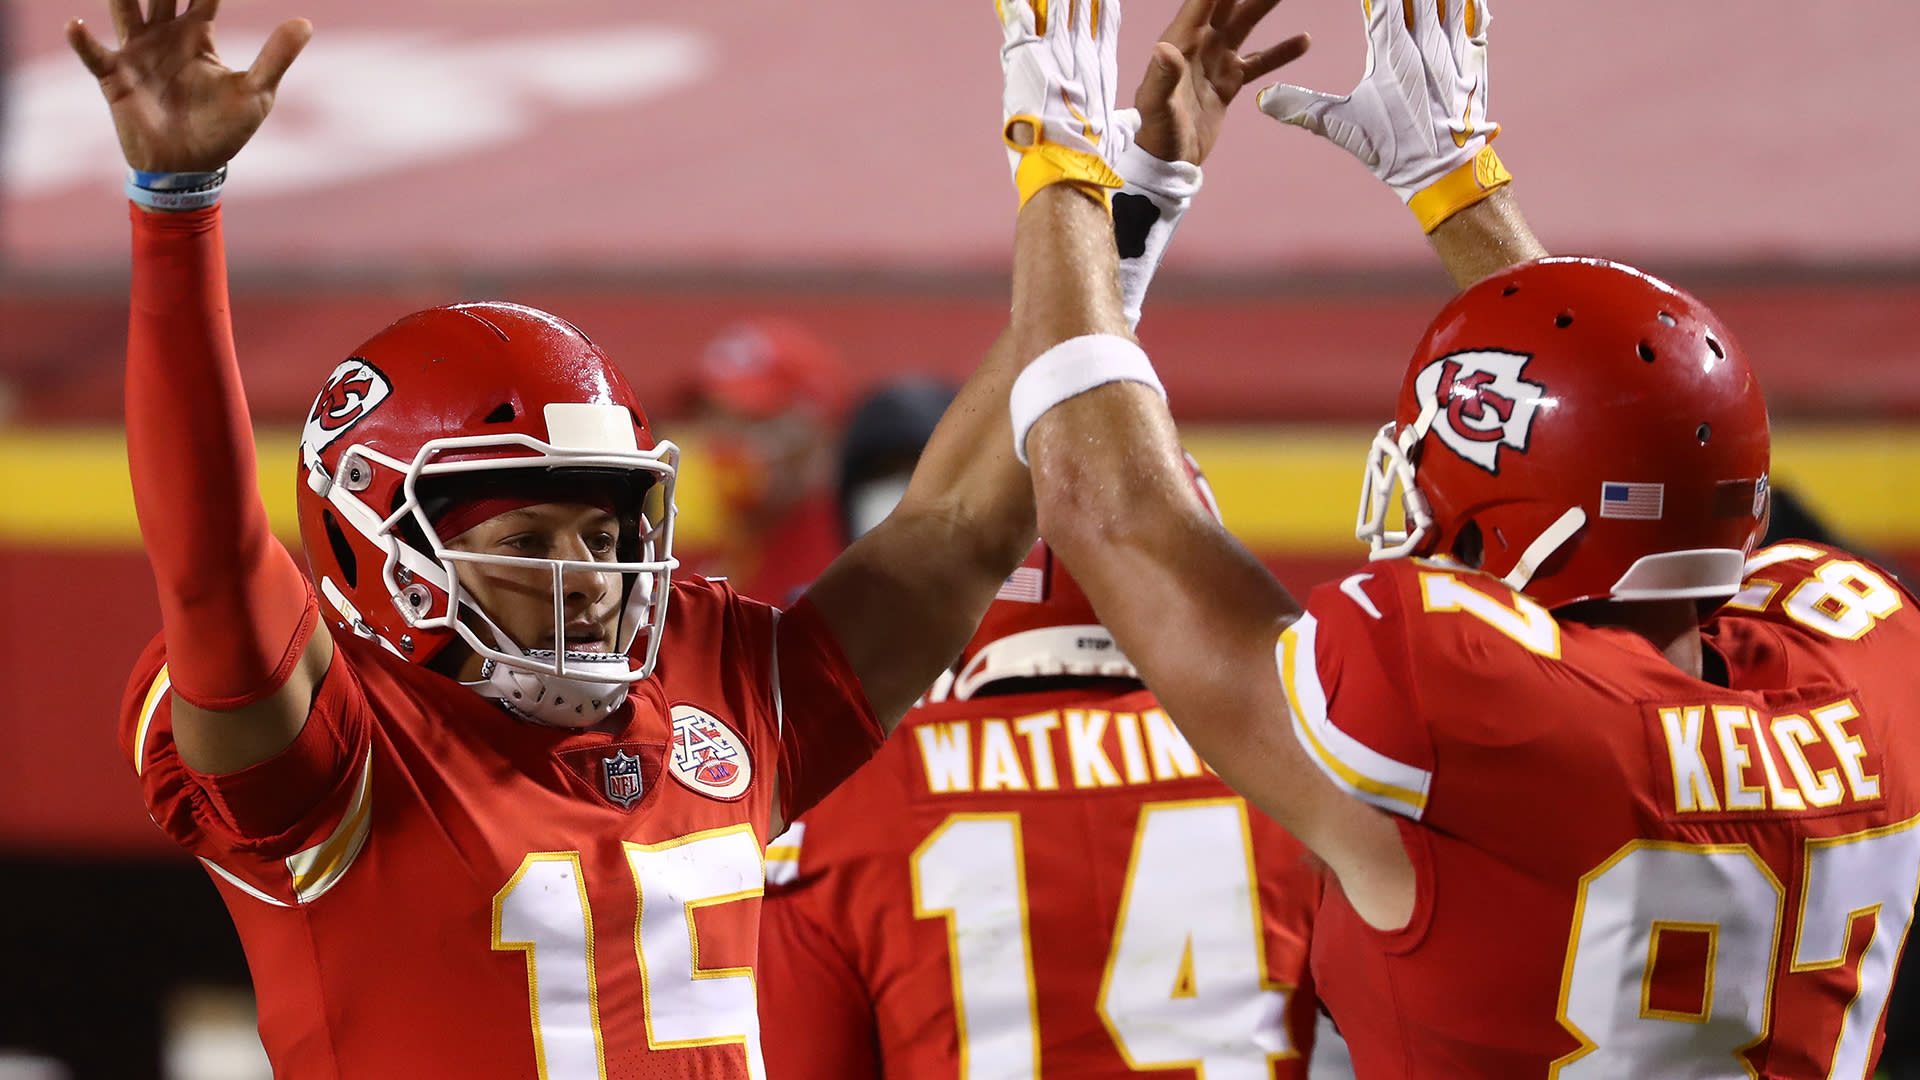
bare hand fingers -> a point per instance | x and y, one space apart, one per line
1269 60
1222 15
160 10
1166 66
1247 15
277 55
126 17
1193 15
203 9
97 57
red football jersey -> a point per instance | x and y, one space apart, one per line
1622 871
1045 884
426 886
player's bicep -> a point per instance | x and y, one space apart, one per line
902 602
826 726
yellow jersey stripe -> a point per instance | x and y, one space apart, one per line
156 693
319 868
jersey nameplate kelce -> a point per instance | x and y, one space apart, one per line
1732 760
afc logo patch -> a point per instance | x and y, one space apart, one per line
707 756
1482 403
354 389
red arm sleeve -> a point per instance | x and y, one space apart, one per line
236 610
816 1019
827 728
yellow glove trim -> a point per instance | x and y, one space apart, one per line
1045 163
1459 189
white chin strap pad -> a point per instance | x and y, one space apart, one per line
1543 547
574 700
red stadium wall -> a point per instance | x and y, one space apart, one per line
1254 354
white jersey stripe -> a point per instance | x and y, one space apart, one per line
234 881
779 706
1357 768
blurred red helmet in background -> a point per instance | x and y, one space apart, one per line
1585 431
764 367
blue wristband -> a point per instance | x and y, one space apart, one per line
175 191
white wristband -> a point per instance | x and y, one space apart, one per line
1145 213
1070 369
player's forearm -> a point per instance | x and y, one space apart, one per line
232 599
1485 238
1188 604
900 616
1066 272
904 599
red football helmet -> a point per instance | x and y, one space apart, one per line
438 407
1042 625
1592 431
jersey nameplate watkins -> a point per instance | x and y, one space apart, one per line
1060 749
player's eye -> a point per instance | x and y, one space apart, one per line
524 543
600 543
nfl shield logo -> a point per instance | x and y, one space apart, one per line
622 774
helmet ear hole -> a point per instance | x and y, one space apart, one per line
1469 546
342 551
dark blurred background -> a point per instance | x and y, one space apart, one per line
764 211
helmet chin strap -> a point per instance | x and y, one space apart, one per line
568 701
1543 547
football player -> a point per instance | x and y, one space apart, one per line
1606 791
1040 878
488 794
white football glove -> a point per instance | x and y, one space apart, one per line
1061 71
1418 119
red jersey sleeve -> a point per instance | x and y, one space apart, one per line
827 728
1348 677
816 1019
284 830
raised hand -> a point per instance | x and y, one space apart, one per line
1059 68
1418 119
1197 69
176 107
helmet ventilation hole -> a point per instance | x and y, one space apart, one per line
501 414
1715 346
342 551
1509 290
1563 320
1667 318
1703 433
1646 352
